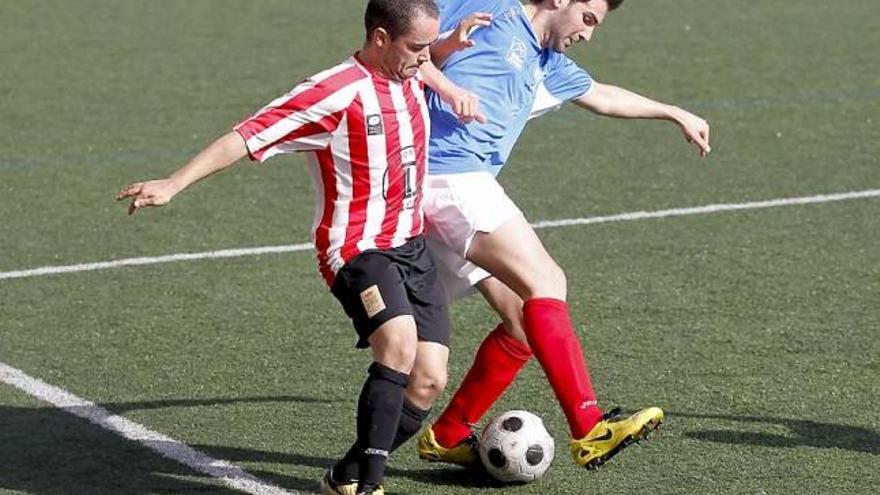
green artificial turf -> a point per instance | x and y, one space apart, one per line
757 331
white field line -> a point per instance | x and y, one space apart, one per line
622 217
229 474
716 208
152 260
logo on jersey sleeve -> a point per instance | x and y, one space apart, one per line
374 125
516 54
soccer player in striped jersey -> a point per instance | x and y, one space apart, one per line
518 69
364 126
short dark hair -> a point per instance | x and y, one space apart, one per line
612 4
397 16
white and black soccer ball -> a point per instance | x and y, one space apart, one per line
515 447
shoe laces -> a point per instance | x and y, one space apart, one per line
613 414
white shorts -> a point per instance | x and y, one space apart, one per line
457 206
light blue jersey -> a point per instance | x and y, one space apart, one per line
514 77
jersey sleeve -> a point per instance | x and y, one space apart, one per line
304 119
563 80
449 15
452 12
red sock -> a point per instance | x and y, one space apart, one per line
555 344
496 364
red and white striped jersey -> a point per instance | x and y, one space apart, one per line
367 138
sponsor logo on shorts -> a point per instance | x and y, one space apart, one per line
372 300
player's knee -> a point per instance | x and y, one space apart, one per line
561 282
396 351
433 385
403 356
552 282
426 386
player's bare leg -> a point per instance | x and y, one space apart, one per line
514 254
507 304
395 344
427 380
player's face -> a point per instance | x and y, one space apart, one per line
404 54
575 22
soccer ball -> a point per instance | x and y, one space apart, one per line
515 447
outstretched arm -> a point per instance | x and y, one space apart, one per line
220 154
612 101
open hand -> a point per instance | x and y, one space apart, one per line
461 35
150 193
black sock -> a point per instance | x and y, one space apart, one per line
348 468
379 410
411 419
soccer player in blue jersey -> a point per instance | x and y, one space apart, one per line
518 69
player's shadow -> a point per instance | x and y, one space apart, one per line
803 433
438 475
445 475
47 451
122 407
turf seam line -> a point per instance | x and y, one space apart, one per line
543 224
227 473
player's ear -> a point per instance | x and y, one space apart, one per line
381 37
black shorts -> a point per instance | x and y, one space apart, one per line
378 285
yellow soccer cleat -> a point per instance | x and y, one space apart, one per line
613 434
464 454
330 487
